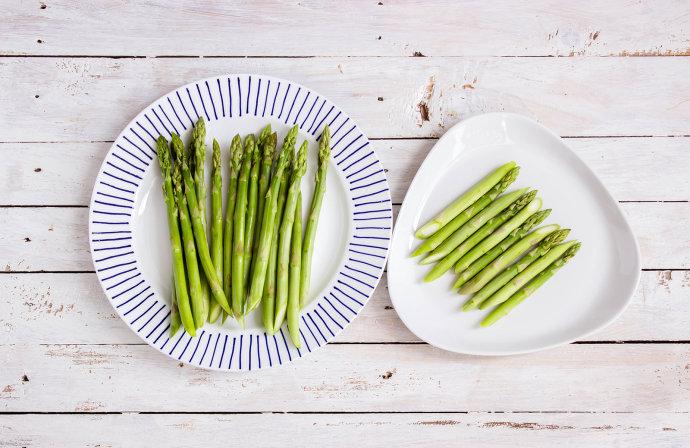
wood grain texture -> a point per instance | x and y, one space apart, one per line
72 309
63 173
93 99
386 28
662 430
351 378
60 108
58 237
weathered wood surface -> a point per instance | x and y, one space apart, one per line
371 28
65 351
56 238
63 173
88 99
340 430
350 378
72 309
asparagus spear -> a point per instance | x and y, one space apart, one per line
268 228
293 283
268 297
173 212
236 151
197 156
269 293
480 204
238 285
175 321
314 211
300 166
252 202
464 201
191 259
534 284
470 227
199 231
216 224
525 276
490 241
504 277
485 230
507 250
267 144
522 243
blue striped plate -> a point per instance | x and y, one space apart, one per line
129 236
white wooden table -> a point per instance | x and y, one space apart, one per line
72 74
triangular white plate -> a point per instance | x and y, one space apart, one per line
584 296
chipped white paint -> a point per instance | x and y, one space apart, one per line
572 96
477 430
351 378
63 173
355 28
59 236
72 309
57 115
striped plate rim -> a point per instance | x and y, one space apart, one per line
111 221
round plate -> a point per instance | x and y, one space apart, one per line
128 227
584 296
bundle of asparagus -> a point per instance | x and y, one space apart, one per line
258 251
487 239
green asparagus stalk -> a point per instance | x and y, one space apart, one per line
238 285
269 293
197 154
470 227
300 166
236 152
293 283
267 144
267 152
508 244
191 259
268 298
464 201
480 204
216 225
175 320
314 212
526 275
490 241
252 212
518 297
492 224
504 277
521 243
199 230
268 228
174 220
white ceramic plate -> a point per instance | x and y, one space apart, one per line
584 296
128 227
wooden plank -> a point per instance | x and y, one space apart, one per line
49 239
634 169
58 237
83 99
72 309
340 430
350 378
49 173
390 28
